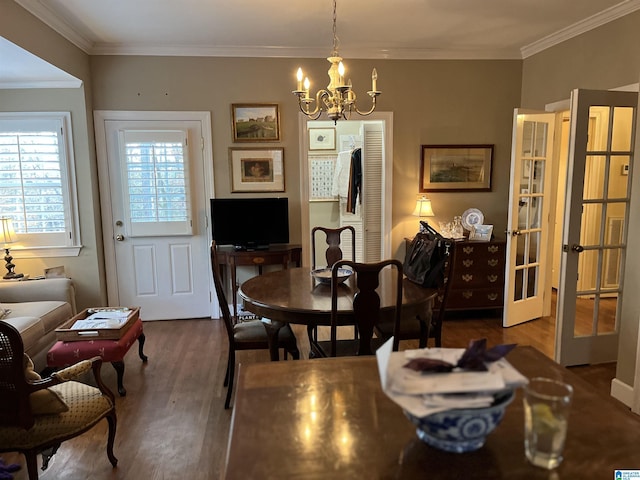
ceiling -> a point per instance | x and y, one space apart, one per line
398 29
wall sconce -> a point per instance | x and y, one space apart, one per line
8 236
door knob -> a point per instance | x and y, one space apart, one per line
577 248
119 237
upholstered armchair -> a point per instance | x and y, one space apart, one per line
38 414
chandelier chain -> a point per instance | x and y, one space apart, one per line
335 30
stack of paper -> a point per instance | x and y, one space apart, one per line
422 394
102 319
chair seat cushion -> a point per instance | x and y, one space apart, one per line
253 331
86 405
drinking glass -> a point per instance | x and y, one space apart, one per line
546 414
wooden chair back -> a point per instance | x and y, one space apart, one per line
366 301
222 299
15 409
333 239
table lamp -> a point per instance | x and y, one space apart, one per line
423 209
8 236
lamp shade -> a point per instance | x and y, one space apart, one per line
423 208
7 232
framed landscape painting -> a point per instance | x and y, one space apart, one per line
455 168
257 169
259 122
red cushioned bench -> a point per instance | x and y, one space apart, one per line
63 354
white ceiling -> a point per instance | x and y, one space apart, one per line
398 29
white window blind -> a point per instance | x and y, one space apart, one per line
155 173
37 187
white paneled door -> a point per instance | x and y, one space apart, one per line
157 222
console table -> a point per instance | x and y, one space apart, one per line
283 255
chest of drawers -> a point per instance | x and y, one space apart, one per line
477 277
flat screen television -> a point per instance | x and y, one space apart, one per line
250 223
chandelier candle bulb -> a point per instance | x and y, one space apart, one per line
299 76
374 80
307 85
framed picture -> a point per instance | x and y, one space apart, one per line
481 233
322 139
321 171
259 122
257 169
455 168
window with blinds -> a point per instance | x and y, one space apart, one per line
36 178
156 182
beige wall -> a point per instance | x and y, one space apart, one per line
21 28
605 58
441 102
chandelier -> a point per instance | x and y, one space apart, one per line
338 100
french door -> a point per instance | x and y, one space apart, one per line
601 153
528 223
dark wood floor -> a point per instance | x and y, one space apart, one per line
172 423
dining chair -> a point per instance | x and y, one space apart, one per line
246 335
366 307
38 414
421 328
333 253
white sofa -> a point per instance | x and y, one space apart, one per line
37 308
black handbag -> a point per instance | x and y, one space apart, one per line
426 258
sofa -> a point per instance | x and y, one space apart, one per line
36 308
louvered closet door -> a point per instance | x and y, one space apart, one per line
373 199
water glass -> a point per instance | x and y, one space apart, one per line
546 414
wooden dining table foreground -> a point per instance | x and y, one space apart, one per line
329 419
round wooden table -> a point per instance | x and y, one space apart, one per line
294 296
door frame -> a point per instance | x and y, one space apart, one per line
303 141
100 117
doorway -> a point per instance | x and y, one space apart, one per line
154 189
322 206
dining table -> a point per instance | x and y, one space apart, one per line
329 418
295 296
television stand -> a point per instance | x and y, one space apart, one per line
252 247
280 254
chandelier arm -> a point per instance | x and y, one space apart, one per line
370 111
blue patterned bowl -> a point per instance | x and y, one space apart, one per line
461 430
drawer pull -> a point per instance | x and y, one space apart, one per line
492 296
467 250
467 263
258 260
492 262
492 248
467 294
467 277
492 278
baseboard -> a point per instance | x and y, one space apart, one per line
622 392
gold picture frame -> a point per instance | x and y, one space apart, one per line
255 122
257 169
456 168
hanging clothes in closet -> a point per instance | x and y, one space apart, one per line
355 180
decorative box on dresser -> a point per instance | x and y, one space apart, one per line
477 277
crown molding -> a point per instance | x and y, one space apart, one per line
49 17
298 52
71 83
583 26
